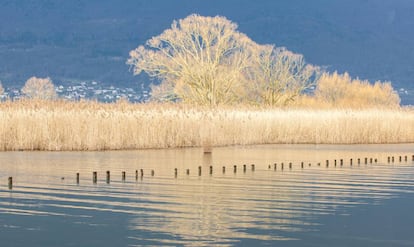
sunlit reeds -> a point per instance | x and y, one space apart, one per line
61 125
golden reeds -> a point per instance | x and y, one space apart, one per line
62 125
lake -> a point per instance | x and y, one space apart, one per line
307 203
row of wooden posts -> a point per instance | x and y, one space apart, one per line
140 173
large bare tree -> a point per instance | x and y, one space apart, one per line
279 76
201 59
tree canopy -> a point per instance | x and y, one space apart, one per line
207 61
203 57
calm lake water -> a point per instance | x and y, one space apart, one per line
359 205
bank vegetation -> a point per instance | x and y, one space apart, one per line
63 125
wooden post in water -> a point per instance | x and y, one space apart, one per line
341 161
188 171
224 169
211 170
389 159
253 167
413 158
108 177
400 159
366 161
176 172
335 163
123 176
359 161
244 168
392 159
234 168
301 164
152 173
94 177
370 160
327 163
10 181
275 166
406 158
375 160
142 173
319 164
290 165
136 174
199 171
282 166
77 178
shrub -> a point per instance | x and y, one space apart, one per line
343 91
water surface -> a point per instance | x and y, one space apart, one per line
349 205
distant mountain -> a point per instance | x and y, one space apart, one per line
90 39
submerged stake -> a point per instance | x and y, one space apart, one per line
94 177
108 177
10 183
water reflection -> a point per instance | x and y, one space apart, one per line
261 206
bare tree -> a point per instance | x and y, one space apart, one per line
203 59
1 88
279 76
39 88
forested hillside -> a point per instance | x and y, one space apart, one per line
89 40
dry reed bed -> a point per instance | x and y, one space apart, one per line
44 125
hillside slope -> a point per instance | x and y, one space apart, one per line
90 40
